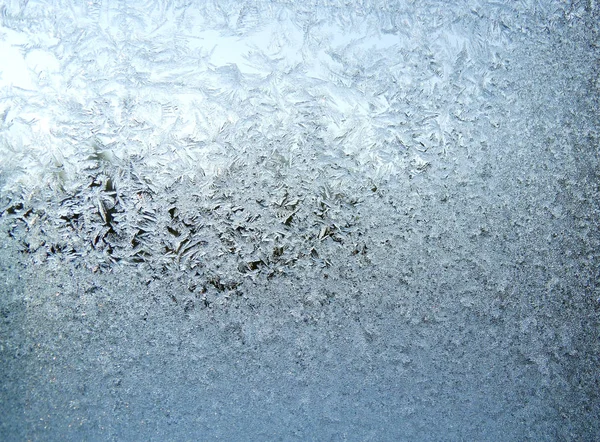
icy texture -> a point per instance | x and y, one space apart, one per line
311 220
181 137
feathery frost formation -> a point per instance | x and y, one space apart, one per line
235 138
299 220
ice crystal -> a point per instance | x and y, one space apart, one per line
431 163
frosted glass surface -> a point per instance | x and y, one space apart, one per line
316 220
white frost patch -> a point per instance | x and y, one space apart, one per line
13 68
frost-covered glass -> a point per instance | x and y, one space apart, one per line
277 220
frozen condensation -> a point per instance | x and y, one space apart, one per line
310 220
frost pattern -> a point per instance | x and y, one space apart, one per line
310 220
234 140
